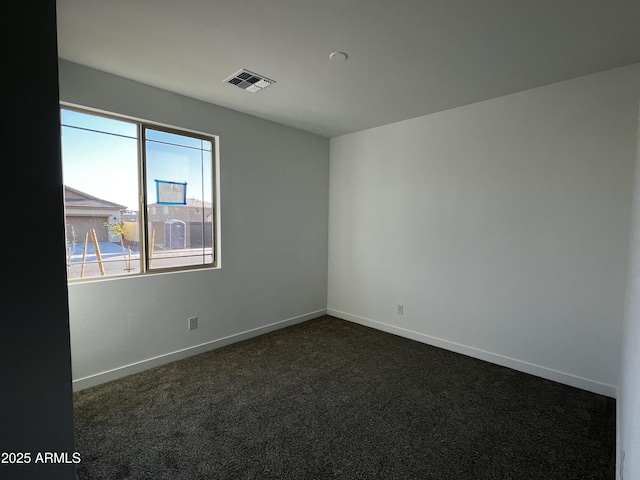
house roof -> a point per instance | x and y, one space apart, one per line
191 202
76 199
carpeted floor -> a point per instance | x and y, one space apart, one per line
332 399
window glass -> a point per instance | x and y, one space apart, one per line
100 171
99 123
105 233
182 234
172 138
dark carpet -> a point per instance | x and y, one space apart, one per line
332 399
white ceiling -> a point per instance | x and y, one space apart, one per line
406 57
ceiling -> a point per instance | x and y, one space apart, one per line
407 58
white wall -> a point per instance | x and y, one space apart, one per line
629 403
274 187
502 227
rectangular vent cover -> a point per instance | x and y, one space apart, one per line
249 81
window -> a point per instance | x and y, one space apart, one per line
138 197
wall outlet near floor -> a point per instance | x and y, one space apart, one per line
400 309
193 323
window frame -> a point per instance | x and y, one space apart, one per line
143 204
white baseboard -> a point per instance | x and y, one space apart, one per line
114 374
515 364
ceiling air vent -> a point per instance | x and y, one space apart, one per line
249 81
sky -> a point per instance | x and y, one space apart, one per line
100 157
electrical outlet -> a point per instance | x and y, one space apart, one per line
400 309
193 323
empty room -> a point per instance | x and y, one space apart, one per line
342 239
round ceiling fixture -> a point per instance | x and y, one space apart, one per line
338 56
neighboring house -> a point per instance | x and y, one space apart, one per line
196 215
191 212
84 212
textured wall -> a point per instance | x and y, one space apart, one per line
502 227
629 404
274 215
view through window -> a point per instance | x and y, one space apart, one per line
138 197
